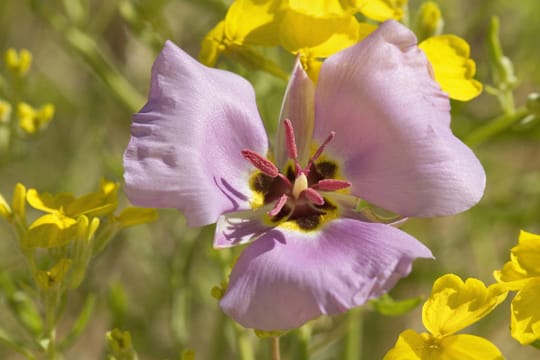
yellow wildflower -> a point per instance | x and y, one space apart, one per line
32 120
452 67
381 10
57 227
522 273
247 22
429 21
452 306
18 62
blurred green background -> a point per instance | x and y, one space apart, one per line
155 280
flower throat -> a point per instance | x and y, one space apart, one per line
295 194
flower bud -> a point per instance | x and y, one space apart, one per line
18 62
429 21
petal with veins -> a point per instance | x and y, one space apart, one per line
287 277
185 149
392 128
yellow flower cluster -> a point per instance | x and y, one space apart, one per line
315 29
30 120
522 274
71 230
452 306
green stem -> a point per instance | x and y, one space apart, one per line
243 343
17 348
353 339
276 354
494 127
219 339
303 336
51 304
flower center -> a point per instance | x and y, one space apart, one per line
296 194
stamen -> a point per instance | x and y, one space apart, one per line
332 184
278 205
289 136
313 196
261 163
321 149
285 179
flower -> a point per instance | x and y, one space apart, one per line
452 306
32 120
522 274
375 127
18 62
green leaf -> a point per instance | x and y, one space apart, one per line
387 306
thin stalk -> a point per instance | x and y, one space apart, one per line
17 348
276 355
86 47
243 344
494 127
353 339
219 338
303 336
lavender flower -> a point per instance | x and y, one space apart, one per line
374 127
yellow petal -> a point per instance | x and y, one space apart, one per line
5 210
253 22
320 8
465 347
320 37
429 21
91 205
60 221
48 202
213 45
18 62
382 10
19 202
452 67
27 117
527 253
409 346
50 231
454 305
525 320
524 262
414 346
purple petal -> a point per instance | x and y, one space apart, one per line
288 277
239 228
298 107
186 141
392 128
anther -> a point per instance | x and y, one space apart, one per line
321 149
261 163
313 196
279 205
332 185
289 136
